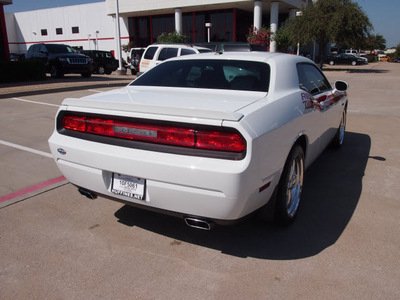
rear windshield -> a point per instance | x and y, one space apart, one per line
208 74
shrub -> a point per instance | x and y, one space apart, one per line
371 58
260 37
172 37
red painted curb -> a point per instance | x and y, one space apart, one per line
31 189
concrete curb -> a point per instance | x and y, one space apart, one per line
15 94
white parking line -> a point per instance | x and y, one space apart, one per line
26 149
35 102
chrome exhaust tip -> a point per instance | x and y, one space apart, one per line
88 194
199 224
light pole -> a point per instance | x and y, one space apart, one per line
97 41
89 35
208 26
120 69
298 14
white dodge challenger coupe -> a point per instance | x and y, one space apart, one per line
209 137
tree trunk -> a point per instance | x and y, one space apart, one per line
322 47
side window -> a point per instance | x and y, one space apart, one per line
42 49
149 54
311 79
166 53
187 51
34 48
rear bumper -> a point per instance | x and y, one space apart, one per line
215 189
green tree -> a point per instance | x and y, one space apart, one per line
172 37
339 21
397 53
282 38
376 42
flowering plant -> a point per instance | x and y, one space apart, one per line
260 37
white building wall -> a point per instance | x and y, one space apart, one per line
129 7
11 32
26 27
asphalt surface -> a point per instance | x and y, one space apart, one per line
70 82
345 244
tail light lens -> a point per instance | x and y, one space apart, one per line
168 135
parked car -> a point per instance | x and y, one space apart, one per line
17 56
383 57
346 59
103 61
233 47
364 59
351 51
156 53
135 55
60 59
209 138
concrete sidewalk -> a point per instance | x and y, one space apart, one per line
68 83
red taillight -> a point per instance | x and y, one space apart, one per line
169 135
74 123
223 141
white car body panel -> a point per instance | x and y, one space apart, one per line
208 187
208 104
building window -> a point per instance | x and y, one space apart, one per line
145 30
139 28
162 23
43 32
75 29
59 31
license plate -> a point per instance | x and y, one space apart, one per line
128 186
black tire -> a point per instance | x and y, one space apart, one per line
331 62
133 71
108 72
55 72
86 75
290 187
353 63
338 140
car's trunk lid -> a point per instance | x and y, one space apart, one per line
186 102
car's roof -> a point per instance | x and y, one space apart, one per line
249 56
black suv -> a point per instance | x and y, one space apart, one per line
60 59
103 61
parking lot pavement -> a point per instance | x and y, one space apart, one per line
345 244
68 83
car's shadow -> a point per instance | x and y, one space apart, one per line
332 190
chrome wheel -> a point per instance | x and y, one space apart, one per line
295 185
342 129
290 187
338 140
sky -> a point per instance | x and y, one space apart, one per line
383 14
